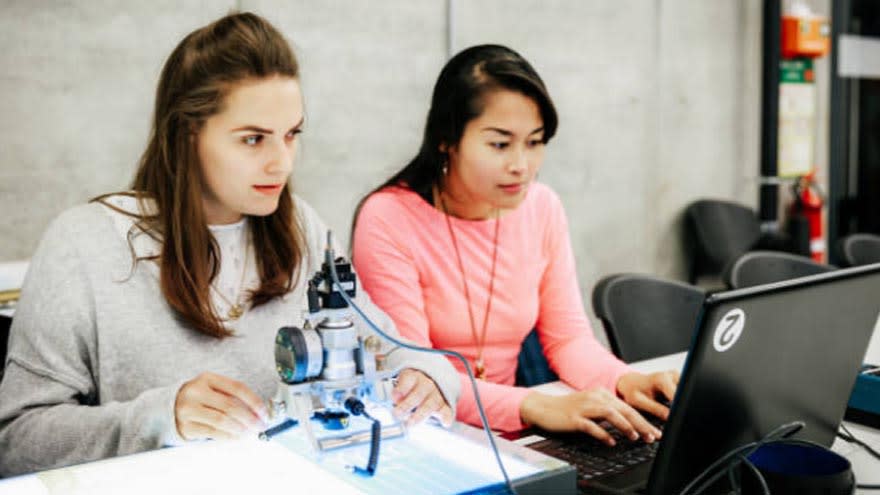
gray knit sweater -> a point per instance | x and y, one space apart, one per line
96 356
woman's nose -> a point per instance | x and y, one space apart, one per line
281 159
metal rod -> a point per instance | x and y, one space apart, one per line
839 130
275 430
772 51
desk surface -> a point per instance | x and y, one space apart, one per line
865 467
429 460
252 466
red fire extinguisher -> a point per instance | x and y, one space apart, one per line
808 203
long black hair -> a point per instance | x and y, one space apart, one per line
458 98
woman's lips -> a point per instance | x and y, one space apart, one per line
268 188
512 188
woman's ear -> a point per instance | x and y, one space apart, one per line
193 131
447 149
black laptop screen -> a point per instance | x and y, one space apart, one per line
763 357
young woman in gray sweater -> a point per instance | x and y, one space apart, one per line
147 318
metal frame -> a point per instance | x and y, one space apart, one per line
839 130
772 54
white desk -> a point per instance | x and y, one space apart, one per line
12 274
11 278
865 467
251 466
428 461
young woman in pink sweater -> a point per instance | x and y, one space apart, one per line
465 251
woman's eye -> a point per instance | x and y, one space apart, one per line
499 145
535 142
292 134
252 140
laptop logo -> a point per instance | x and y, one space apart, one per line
729 329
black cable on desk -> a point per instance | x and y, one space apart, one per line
733 458
760 477
329 259
356 407
848 436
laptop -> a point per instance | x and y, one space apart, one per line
760 357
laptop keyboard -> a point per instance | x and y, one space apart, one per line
594 459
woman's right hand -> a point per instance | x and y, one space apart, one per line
214 406
582 411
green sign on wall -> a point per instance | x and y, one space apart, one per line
798 70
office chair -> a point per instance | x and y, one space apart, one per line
765 267
646 316
721 231
532 367
860 249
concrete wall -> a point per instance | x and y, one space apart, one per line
658 99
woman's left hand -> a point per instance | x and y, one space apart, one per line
640 390
418 397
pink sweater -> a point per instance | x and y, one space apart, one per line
406 261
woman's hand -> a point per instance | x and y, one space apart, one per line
214 406
582 411
418 397
639 390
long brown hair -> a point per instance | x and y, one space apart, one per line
194 82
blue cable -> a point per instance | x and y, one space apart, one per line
330 259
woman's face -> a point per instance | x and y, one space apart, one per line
497 158
246 151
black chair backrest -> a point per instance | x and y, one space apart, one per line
765 267
646 316
860 249
722 231
5 323
532 366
